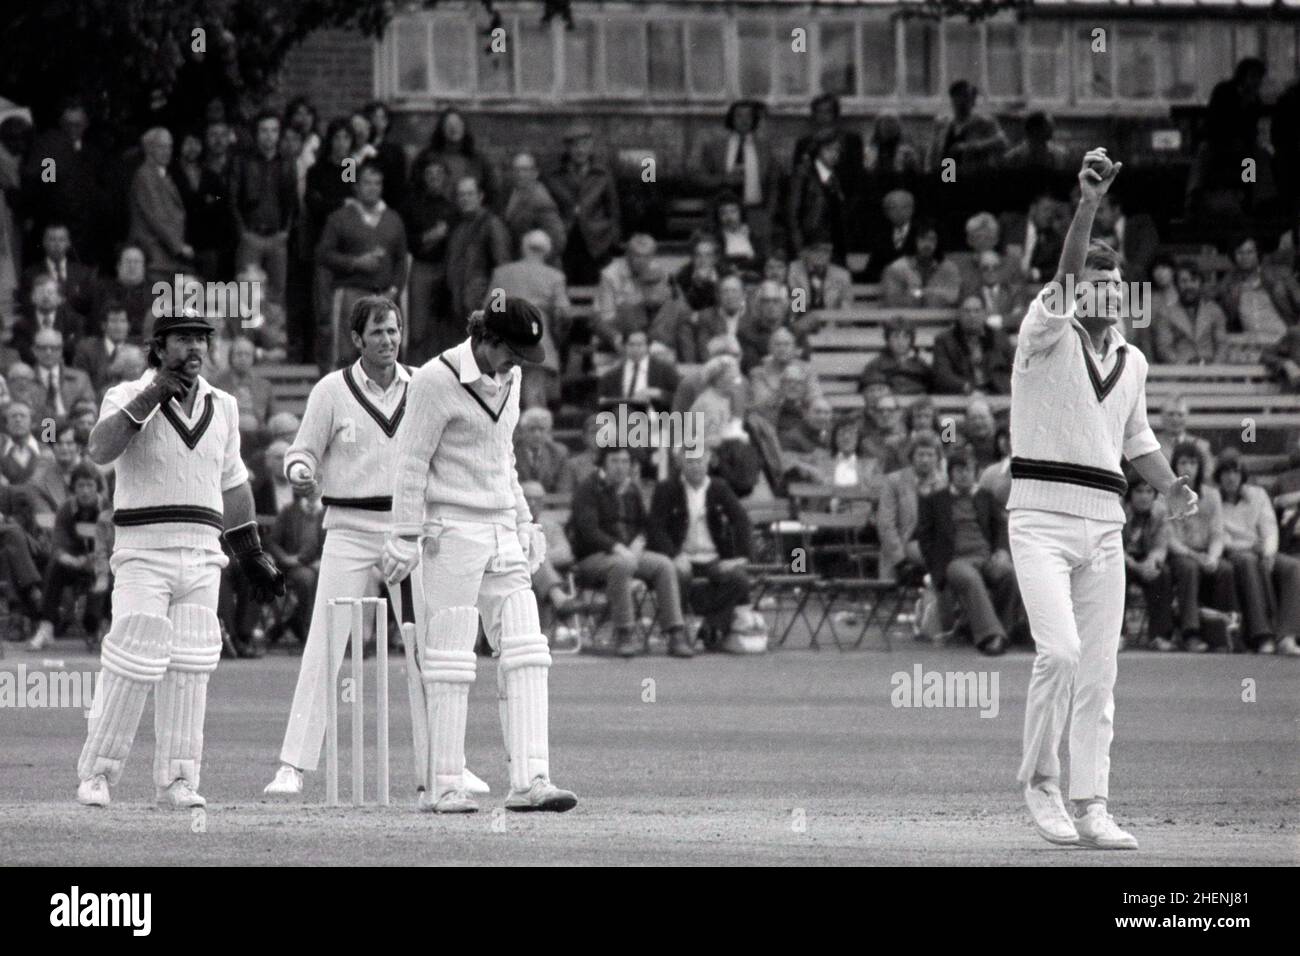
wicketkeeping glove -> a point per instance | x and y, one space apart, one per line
246 545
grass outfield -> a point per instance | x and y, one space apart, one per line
795 757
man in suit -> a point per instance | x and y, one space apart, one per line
49 312
94 354
896 515
815 281
996 285
157 210
1173 432
1135 237
75 195
52 483
849 169
532 279
962 535
76 281
817 201
60 386
897 238
1193 330
478 243
129 288
741 162
633 289
530 206
974 140
924 278
538 456
639 377
971 356
588 200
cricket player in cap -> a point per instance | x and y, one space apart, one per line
1078 407
354 423
459 514
181 489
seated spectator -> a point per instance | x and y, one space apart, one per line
847 464
21 553
21 455
128 364
1282 359
48 312
641 376
897 238
885 434
1193 330
1173 431
1146 559
1264 302
530 206
816 282
632 291
900 365
1034 242
20 379
693 380
1200 575
971 356
272 492
733 318
776 268
770 305
252 392
538 456
549 586
962 536
742 251
924 278
578 467
805 433
983 233
530 278
129 288
72 562
896 513
76 282
769 379
282 426
608 534
979 434
296 542
999 288
94 354
1133 237
1266 580
697 521
59 386
696 282
52 483
996 477
685 331
889 160
746 451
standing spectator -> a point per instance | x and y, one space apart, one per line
530 206
885 435
849 170
1037 155
127 365
538 456
896 514
1200 575
1146 557
453 144
1174 434
901 364
1268 582
609 545
632 291
428 217
300 116
265 203
983 233
698 522
128 288
924 278
364 250
389 155
640 377
72 563
532 279
328 184
14 138
479 242
51 485
1134 237
1216 192
588 199
1003 297
738 242
741 161
896 236
76 281
93 355
18 557
1265 302
816 282
209 215
48 313
59 385
250 388
817 202
974 140
157 211
696 282
890 162
971 356
20 453
296 542
962 536
75 196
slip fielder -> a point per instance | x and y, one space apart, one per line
457 498
344 450
1078 406
174 442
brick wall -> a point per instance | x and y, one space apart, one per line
334 68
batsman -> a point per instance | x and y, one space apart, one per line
181 487
459 515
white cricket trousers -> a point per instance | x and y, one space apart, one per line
349 567
1071 575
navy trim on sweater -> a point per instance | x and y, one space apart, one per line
505 394
166 514
388 425
191 436
375 503
1069 473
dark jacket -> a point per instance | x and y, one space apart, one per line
297 534
907 376
728 523
265 194
934 529
659 374
603 517
953 370
589 203
814 206
67 537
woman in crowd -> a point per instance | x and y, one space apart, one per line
1200 575
453 143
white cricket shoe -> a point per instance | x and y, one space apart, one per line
474 785
287 782
453 801
1098 829
541 795
1050 819
1287 647
94 792
181 795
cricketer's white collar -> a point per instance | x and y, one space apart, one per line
468 370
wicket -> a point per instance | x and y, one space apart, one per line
356 630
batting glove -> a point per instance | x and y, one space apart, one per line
259 567
400 558
533 540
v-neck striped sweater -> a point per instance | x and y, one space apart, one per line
1071 426
457 456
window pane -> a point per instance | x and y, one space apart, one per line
1178 61
1247 42
791 67
536 56
452 45
1045 53
1137 62
1092 70
838 72
755 57
496 70
1004 59
962 52
921 51
878 63
412 44
1281 55
667 59
624 56
580 58
1214 55
708 71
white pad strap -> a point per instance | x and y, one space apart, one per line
448 668
525 660
133 656
180 704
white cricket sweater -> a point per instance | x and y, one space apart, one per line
171 476
457 456
348 439
1070 425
